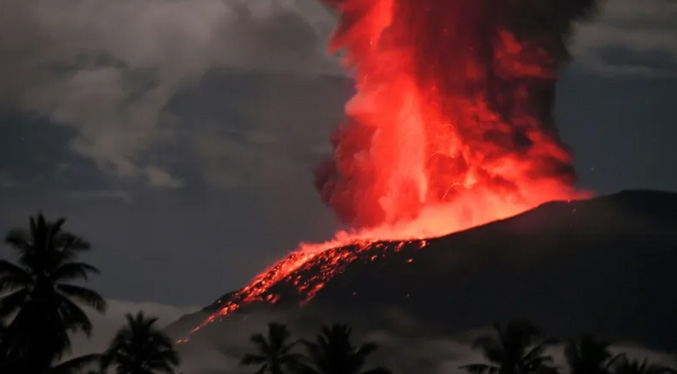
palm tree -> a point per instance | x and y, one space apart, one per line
7 363
512 350
586 355
275 353
334 353
625 366
140 348
41 297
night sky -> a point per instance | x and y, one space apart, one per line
179 137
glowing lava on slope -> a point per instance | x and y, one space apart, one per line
451 127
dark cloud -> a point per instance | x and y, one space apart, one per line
259 129
633 29
108 69
655 62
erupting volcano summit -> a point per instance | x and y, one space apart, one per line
453 112
451 127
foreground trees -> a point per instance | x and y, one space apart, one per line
274 353
45 307
513 349
44 304
626 366
40 308
140 348
586 355
332 352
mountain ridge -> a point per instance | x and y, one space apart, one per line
561 264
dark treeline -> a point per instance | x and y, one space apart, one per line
332 352
520 348
516 348
41 307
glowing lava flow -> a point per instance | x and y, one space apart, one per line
451 127
331 258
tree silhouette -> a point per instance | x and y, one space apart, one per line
7 364
334 353
512 350
626 366
275 353
41 298
586 355
140 348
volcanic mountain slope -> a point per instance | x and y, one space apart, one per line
605 265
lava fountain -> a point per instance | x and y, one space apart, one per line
451 127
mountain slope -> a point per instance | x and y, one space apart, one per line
604 265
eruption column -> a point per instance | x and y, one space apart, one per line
452 126
453 116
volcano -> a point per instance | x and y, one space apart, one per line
450 132
603 265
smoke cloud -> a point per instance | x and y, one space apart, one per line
455 99
630 39
107 70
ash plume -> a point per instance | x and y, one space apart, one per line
454 107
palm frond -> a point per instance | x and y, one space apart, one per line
72 271
612 361
289 347
18 239
262 369
74 317
169 355
139 342
8 269
83 295
571 352
72 244
140 319
12 284
536 351
13 277
107 358
253 359
260 341
490 347
12 302
53 230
